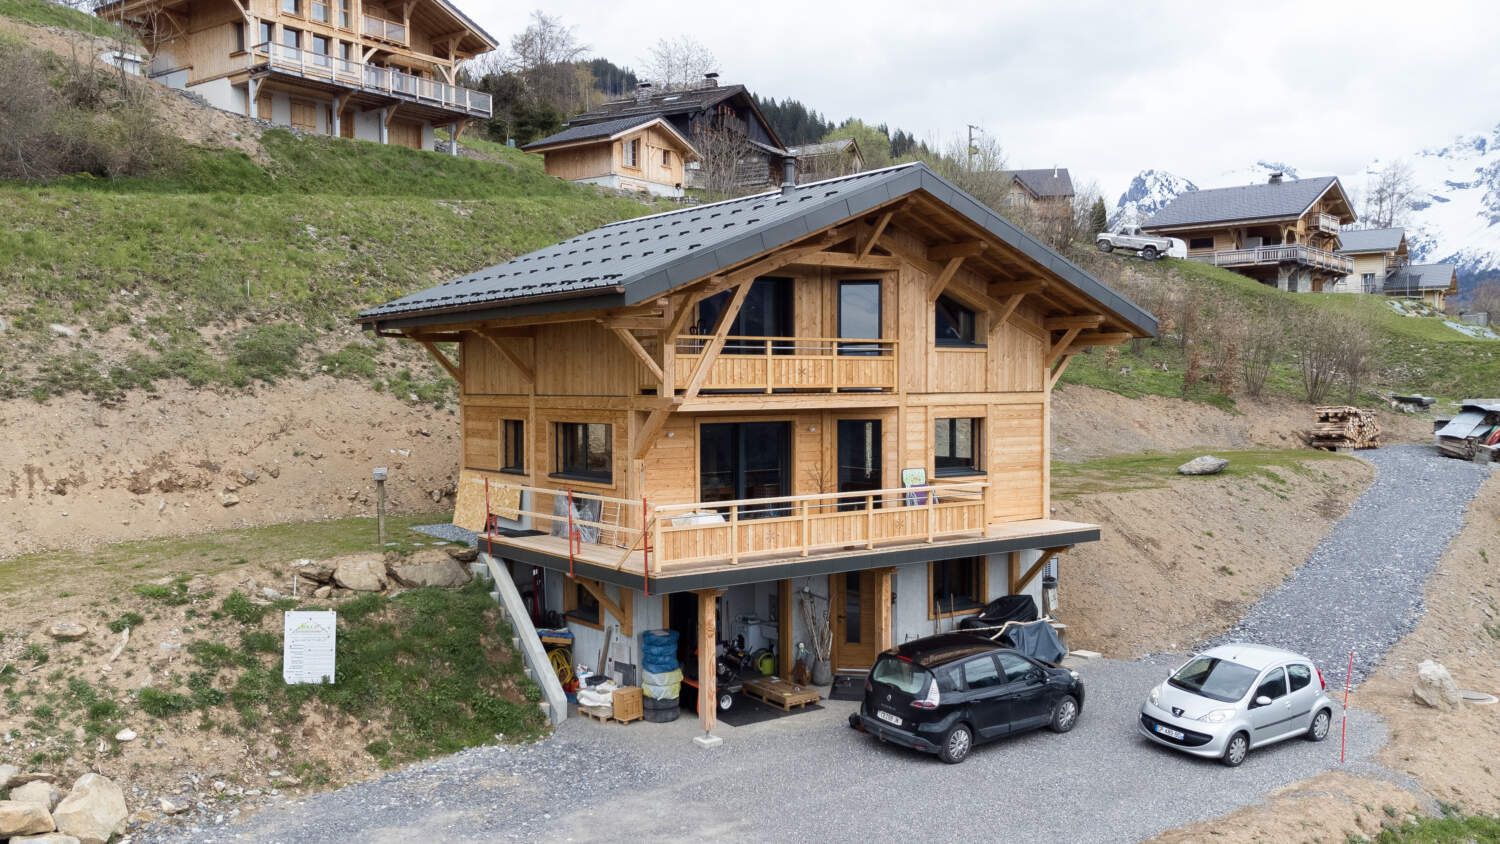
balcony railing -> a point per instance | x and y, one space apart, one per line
607 531
1321 221
385 30
768 364
1294 253
367 77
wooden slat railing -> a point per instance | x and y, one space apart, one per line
1278 254
1323 221
368 77
767 364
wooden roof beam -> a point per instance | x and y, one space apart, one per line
865 240
940 283
1028 287
962 249
635 347
1060 348
1083 341
453 369
1063 323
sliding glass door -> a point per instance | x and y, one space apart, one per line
859 459
740 460
767 312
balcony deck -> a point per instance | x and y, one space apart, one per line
384 82
1272 255
807 364
711 544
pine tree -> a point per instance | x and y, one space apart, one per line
1098 217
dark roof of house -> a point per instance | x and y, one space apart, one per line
640 259
832 147
1371 240
1048 181
1288 198
591 131
686 101
1417 277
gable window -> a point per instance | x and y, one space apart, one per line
585 451
957 587
953 323
1200 243
630 153
513 446
666 158
955 447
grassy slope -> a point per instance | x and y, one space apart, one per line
1413 355
46 13
1147 471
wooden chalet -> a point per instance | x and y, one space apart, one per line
1284 233
376 70
1046 192
837 392
828 159
1377 254
1432 283
643 153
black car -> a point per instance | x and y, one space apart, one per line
944 694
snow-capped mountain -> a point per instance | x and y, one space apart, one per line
1148 192
1256 174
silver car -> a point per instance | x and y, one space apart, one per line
1231 698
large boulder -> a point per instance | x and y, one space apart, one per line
431 567
318 571
93 811
1435 686
18 818
49 838
463 553
39 793
360 573
1205 465
8 773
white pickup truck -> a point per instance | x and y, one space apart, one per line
1134 240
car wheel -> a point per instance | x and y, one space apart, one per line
726 700
1320 723
957 744
1106 246
1149 253
1064 714
1237 749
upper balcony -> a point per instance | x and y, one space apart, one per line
803 364
381 29
1271 255
1323 222
383 81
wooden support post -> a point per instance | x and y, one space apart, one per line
1020 581
708 642
1057 371
1060 348
646 436
784 648
884 635
866 241
941 282
721 331
252 93
1014 572
621 611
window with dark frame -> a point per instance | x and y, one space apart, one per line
666 158
1200 243
954 323
291 7
513 447
955 447
958 586
239 36
291 38
580 605
585 451
628 152
266 34
344 14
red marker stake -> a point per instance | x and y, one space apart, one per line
1344 723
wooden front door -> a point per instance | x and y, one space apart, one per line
855 611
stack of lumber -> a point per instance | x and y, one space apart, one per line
1344 427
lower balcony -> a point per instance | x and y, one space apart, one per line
772 364
367 78
1272 255
672 547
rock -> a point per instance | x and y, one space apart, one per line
32 776
8 772
61 330
271 594
199 585
248 476
463 554
322 592
49 838
220 786
126 734
1205 465
39 793
430 567
229 499
18 818
93 811
318 571
274 471
171 807
67 631
1435 686
361 573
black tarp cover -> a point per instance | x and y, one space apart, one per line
1001 610
1037 640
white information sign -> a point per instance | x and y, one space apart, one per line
307 655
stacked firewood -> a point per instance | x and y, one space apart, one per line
1344 427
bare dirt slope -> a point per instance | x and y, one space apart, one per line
1179 564
1088 423
74 472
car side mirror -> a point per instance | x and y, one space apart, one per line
1262 701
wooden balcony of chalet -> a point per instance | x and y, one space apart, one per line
788 364
1323 222
345 74
381 29
1271 255
636 540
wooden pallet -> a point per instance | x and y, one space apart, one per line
780 694
605 715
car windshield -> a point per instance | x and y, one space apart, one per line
906 676
1214 678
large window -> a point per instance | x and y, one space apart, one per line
319 10
291 7
953 323
955 447
739 460
584 451
766 312
320 49
291 38
859 315
266 35
513 446
344 13
958 586
630 153
1200 243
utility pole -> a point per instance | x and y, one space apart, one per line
972 148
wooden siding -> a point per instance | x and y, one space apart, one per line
581 162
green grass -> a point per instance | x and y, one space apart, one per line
45 13
1148 471
126 563
1450 829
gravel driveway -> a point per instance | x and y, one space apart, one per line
810 776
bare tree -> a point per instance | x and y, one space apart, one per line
1262 342
542 57
678 63
1356 354
1388 196
722 145
1316 338
1487 299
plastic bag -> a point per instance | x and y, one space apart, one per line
664 678
669 691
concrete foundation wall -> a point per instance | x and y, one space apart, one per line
615 182
218 93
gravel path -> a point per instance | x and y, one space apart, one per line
1361 589
810 775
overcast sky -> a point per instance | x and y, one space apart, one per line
1106 89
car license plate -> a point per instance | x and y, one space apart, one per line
1169 732
886 716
